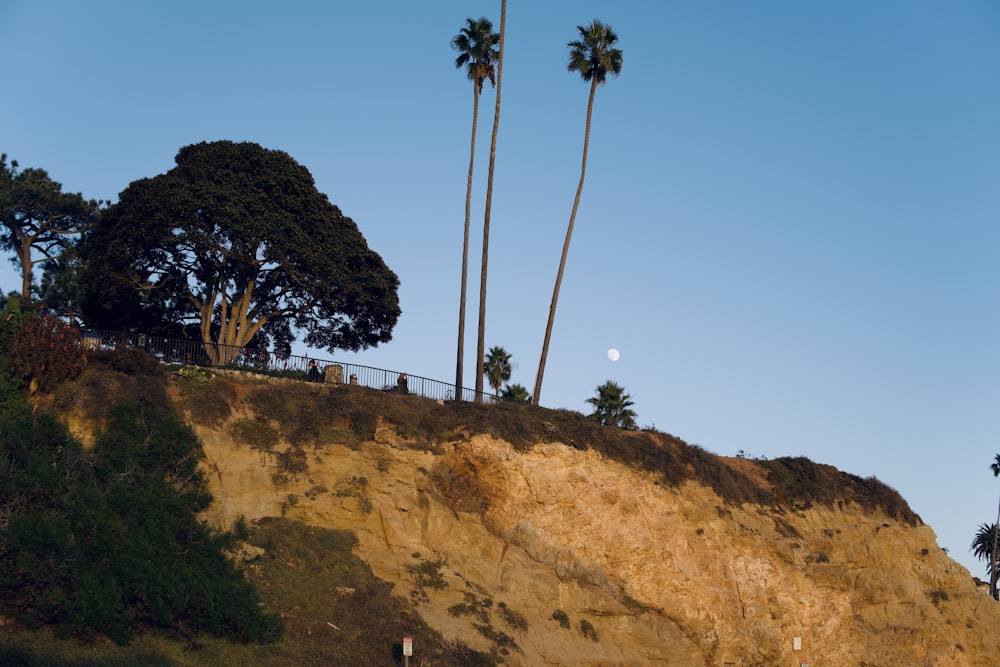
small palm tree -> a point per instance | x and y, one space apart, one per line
516 393
497 368
984 548
593 57
995 467
477 53
612 406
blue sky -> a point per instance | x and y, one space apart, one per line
788 227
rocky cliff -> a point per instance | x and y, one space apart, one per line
562 556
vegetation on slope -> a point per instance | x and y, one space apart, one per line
103 543
107 540
104 540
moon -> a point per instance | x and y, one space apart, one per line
613 354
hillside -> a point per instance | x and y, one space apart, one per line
538 538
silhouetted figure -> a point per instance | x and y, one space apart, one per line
313 371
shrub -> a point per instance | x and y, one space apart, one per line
46 352
109 541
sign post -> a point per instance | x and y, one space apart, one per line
407 650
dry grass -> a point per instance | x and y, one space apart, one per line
309 413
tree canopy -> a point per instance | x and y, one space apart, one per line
612 406
37 217
236 240
498 367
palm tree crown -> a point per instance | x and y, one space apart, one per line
476 45
983 547
612 406
593 56
994 566
516 393
497 367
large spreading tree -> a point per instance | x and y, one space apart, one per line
39 220
235 242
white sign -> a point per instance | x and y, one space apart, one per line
407 646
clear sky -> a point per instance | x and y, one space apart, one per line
788 228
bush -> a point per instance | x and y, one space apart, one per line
46 352
108 542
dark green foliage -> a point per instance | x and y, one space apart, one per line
612 406
37 217
983 544
46 351
561 617
236 236
516 393
108 541
497 367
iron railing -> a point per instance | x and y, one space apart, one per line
197 353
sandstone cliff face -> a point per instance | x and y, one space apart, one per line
566 558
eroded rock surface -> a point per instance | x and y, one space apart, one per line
579 560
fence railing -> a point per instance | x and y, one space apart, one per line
197 353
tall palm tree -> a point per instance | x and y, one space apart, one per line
497 368
480 348
984 547
995 467
612 406
486 220
476 53
594 57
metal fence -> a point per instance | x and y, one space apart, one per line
197 353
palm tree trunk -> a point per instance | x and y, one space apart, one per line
993 559
465 246
481 349
562 261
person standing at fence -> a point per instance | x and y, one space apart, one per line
313 371
401 384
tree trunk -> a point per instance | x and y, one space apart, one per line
562 261
993 559
26 274
235 329
481 348
465 246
